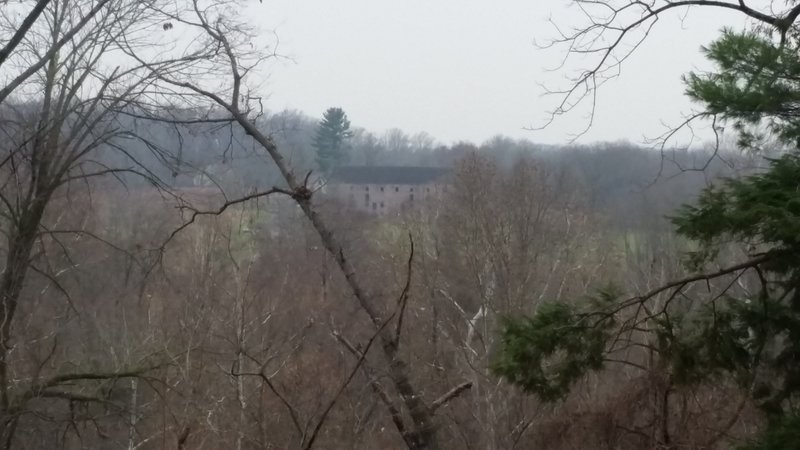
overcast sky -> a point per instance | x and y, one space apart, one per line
469 69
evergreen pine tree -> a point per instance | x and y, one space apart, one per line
330 140
749 336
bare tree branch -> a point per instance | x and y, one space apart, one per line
33 68
321 421
402 301
289 407
23 29
221 209
394 412
678 285
608 27
451 394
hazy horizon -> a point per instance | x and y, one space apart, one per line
469 70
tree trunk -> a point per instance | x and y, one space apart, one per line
20 247
423 433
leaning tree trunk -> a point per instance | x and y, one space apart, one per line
423 433
20 247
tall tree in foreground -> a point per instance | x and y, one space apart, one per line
412 412
331 139
22 30
724 322
68 100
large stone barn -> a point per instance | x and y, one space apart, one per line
383 190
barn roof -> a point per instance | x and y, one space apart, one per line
387 174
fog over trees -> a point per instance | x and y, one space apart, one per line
185 267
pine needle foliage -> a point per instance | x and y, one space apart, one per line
750 336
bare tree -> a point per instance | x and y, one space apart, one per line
419 429
30 19
611 31
41 59
506 240
57 146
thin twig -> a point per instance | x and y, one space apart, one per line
313 436
402 301
451 394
